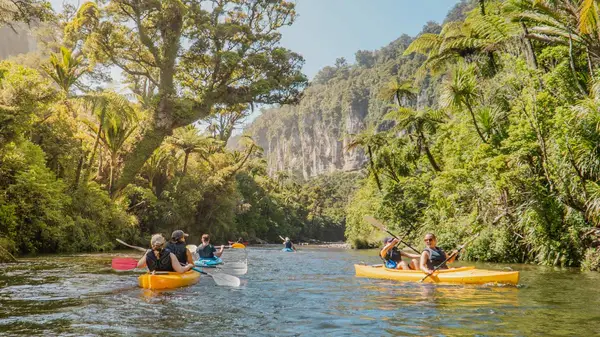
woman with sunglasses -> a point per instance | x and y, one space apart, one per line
433 256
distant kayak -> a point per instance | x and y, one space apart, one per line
289 250
168 280
464 275
208 262
231 243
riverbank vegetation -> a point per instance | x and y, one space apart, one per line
510 146
84 160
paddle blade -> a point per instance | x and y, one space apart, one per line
236 265
238 245
122 263
220 278
233 271
374 222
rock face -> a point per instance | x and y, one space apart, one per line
14 43
314 137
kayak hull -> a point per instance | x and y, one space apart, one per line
289 250
170 280
208 262
231 243
463 275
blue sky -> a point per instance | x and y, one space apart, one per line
328 29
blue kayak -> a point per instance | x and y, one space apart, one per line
287 250
208 262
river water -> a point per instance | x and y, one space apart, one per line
309 293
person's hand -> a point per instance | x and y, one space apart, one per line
455 252
396 240
222 246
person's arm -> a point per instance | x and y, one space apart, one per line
454 254
190 259
387 247
142 261
410 255
293 246
220 252
423 264
177 266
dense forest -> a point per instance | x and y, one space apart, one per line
488 123
83 161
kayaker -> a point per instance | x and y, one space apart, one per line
288 244
177 247
161 259
393 256
433 256
206 250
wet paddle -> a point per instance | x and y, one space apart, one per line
461 247
219 278
123 263
376 223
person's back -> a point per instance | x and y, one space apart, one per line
159 260
180 251
206 251
288 244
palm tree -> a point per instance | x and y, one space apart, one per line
65 69
417 124
460 91
113 132
189 140
398 91
371 142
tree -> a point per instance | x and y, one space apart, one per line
189 140
27 11
371 142
399 91
226 119
231 55
65 69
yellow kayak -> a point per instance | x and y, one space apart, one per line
168 280
465 275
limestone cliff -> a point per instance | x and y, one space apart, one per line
312 137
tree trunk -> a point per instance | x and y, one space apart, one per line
572 66
529 45
428 153
113 159
185 162
373 167
482 7
151 140
475 122
96 142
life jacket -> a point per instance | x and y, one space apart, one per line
178 248
206 252
393 255
436 257
162 263
288 244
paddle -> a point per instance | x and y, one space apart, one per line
219 278
379 225
461 247
123 263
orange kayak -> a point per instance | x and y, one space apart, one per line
464 275
168 280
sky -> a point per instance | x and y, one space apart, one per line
327 29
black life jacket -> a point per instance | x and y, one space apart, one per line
288 244
178 248
162 263
393 255
206 252
436 257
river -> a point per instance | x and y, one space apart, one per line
310 293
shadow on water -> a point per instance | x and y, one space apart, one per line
311 292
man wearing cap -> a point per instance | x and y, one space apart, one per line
177 247
393 256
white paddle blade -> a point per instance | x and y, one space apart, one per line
233 271
224 279
236 265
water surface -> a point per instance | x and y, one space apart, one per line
310 293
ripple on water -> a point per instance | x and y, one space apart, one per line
312 292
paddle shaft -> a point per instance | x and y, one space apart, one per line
461 247
379 225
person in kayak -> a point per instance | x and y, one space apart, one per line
433 256
206 250
288 244
393 256
161 259
177 247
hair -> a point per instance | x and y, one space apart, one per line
205 237
432 235
157 241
